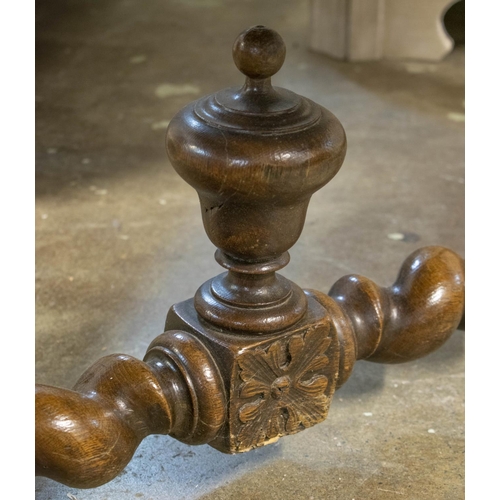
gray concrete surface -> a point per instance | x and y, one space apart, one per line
119 236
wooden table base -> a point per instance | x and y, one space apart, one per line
251 357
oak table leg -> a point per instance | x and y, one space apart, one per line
252 356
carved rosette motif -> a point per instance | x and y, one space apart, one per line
285 387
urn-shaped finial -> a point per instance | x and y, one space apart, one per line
255 154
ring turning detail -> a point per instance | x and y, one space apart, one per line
251 357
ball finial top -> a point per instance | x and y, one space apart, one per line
259 52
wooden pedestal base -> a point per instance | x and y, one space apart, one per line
251 357
277 384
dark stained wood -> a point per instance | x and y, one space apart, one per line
303 360
86 436
413 317
406 321
251 357
255 154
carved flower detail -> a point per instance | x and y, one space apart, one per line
287 393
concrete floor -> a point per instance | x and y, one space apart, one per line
119 236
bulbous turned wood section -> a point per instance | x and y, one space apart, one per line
251 357
86 436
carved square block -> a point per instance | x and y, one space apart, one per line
277 384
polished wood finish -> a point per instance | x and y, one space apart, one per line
302 360
251 357
86 436
255 154
406 321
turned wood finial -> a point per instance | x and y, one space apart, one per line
251 357
259 52
255 154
